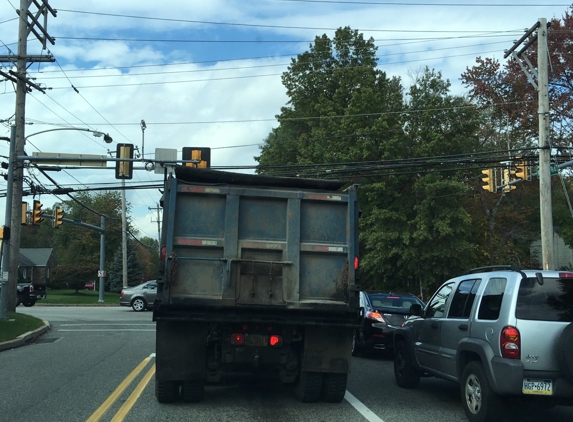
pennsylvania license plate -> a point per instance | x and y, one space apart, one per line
539 387
256 340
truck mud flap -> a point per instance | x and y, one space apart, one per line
327 349
181 349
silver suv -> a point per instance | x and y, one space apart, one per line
500 332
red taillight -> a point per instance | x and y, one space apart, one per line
163 254
565 275
356 262
275 340
31 289
237 339
510 343
121 294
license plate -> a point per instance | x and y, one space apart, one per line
255 340
540 387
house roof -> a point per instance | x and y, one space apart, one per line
35 257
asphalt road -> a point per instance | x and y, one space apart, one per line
99 363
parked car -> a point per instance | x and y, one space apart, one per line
501 333
140 297
381 314
90 285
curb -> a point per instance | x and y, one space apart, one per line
25 338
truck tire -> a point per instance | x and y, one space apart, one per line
564 355
406 375
480 402
29 303
166 391
192 391
333 387
18 300
308 386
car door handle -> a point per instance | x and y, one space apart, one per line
434 325
463 327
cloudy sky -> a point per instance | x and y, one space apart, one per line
207 73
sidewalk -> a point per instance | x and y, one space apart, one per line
25 338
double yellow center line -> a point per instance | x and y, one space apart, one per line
124 410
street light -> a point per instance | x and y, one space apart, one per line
107 139
9 274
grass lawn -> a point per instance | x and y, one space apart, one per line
82 297
18 324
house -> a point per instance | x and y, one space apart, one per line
35 265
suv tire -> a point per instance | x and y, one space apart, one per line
564 355
480 403
404 371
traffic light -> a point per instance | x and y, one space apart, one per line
202 156
124 169
4 233
24 213
37 213
58 217
488 180
508 176
522 170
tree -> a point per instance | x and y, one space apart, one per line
343 111
134 269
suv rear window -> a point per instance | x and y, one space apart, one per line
551 301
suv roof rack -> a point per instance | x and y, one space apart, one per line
494 268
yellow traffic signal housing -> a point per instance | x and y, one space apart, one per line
124 169
24 213
37 213
201 155
522 170
58 217
508 176
4 233
488 180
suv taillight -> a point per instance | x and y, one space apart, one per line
510 343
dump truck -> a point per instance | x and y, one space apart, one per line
258 275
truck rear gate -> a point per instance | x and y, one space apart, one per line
256 256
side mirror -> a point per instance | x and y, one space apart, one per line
416 309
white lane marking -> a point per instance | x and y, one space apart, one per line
364 411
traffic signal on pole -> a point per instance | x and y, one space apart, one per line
4 233
58 217
37 213
488 180
124 169
522 170
24 213
508 176
201 156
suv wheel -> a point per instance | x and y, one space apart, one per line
564 355
404 371
138 304
480 402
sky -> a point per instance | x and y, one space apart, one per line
207 73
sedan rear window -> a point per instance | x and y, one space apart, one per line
550 301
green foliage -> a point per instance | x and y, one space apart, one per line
73 276
343 109
135 272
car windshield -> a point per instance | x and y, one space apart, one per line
550 301
393 302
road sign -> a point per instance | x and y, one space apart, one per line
552 167
90 160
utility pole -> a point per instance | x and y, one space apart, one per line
23 84
157 208
542 87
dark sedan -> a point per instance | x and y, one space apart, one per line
140 297
382 313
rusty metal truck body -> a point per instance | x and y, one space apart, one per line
258 274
